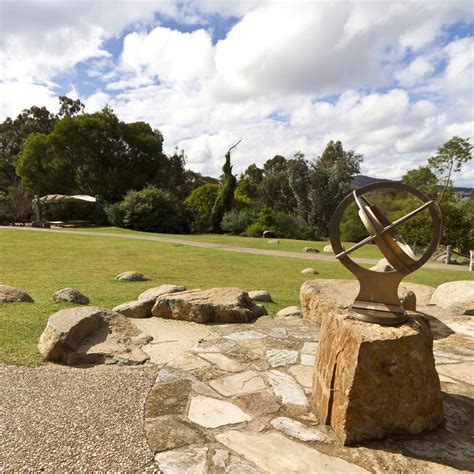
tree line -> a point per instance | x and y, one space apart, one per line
73 152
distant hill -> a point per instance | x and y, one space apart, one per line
362 180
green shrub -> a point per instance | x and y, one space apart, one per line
281 224
236 221
150 209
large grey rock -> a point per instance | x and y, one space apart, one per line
135 309
328 249
153 293
382 265
70 295
288 312
131 276
67 328
9 294
455 295
319 297
217 305
260 295
309 271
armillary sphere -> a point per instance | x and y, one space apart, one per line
378 300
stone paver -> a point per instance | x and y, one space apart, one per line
211 413
190 461
237 384
244 335
273 452
286 389
307 359
281 357
461 371
298 430
223 362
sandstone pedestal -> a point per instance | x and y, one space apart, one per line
372 381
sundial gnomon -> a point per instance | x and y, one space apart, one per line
378 300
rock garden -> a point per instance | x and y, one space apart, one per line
232 389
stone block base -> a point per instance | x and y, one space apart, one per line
372 381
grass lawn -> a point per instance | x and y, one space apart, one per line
286 245
43 263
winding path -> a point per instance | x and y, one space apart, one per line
226 248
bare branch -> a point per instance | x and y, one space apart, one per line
233 146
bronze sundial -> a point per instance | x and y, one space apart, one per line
378 301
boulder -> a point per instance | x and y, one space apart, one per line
319 297
328 249
310 250
382 265
131 276
260 295
268 234
90 335
309 271
67 328
372 381
455 295
135 309
217 305
289 312
9 294
70 295
153 293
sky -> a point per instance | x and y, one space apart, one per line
393 80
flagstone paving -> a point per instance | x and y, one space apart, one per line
247 409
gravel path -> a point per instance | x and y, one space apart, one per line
77 420
227 248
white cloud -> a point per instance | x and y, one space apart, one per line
288 76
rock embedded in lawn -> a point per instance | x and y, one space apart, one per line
217 305
9 294
153 293
90 335
383 265
290 311
260 295
131 276
135 309
66 329
328 249
455 295
70 295
309 271
310 250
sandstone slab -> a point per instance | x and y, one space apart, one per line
245 335
454 295
189 461
217 305
9 294
168 398
131 276
319 297
212 413
70 295
258 403
371 381
237 384
463 371
153 293
67 328
286 389
223 362
298 430
281 357
303 374
135 309
274 453
169 432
